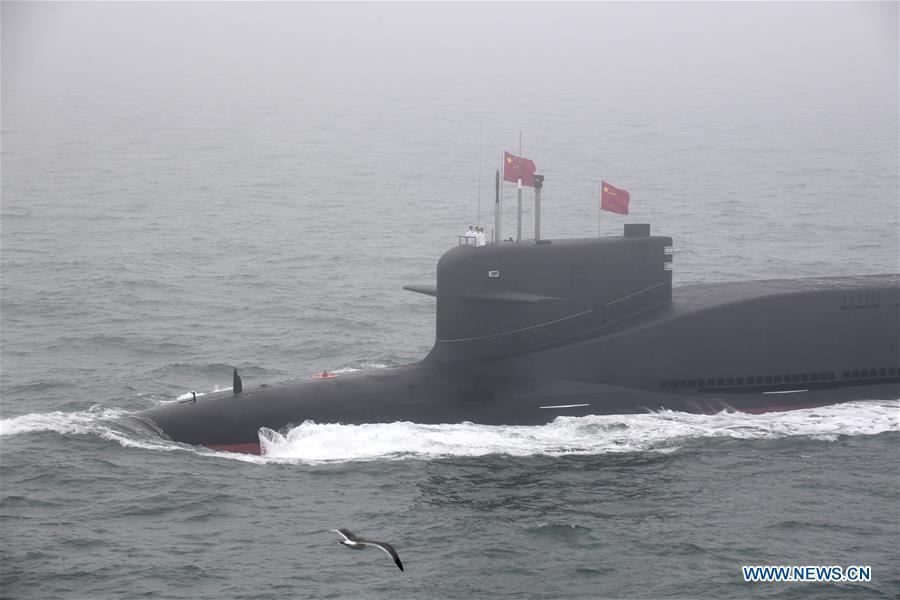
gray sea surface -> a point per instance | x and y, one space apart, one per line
153 238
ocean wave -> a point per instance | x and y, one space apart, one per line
663 431
315 443
112 424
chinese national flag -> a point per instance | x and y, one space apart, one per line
516 167
613 199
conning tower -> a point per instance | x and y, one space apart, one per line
503 299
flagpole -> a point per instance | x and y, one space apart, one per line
498 205
519 211
600 212
519 198
480 128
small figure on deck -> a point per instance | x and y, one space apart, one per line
479 237
470 236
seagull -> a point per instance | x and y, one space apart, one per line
358 543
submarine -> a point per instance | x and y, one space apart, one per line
532 330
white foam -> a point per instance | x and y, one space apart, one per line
344 370
663 431
99 421
361 367
189 395
60 422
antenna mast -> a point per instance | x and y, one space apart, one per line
480 128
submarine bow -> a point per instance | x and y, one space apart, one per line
528 331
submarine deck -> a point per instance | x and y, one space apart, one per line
697 297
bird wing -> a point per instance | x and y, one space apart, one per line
346 534
388 549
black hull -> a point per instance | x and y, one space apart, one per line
227 423
752 347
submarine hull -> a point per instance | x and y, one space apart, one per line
750 346
226 423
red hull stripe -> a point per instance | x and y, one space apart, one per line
252 448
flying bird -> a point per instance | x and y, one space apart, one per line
357 543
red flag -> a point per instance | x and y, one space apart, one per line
516 167
613 199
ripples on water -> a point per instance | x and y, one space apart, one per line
636 506
151 245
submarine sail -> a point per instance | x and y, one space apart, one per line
532 330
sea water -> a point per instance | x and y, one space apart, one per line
153 240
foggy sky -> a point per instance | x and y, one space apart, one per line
312 53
